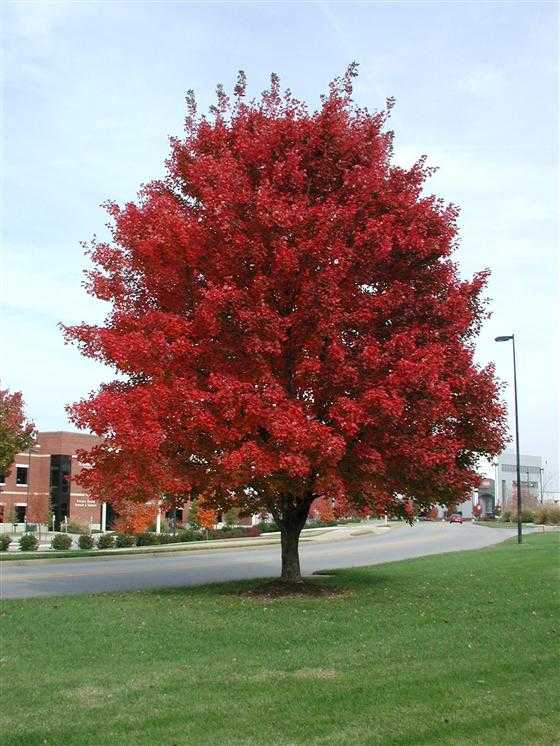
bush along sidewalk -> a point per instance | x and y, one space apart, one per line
28 543
85 541
5 540
106 541
61 542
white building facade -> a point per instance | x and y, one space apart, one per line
498 489
506 478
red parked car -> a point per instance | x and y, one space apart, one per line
456 518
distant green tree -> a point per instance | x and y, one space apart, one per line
193 514
231 517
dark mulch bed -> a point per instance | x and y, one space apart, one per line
280 589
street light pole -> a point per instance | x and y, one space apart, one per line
519 525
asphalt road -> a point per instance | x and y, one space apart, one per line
94 575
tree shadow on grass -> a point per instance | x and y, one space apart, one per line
324 584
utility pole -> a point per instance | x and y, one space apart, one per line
518 469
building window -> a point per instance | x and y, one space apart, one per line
524 469
530 485
20 513
2 478
61 466
21 475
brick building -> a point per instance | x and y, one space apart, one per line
42 480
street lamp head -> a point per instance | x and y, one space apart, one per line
503 339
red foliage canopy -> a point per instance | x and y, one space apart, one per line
289 321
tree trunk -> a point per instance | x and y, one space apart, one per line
291 523
291 571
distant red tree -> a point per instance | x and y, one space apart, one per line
17 433
433 513
289 324
206 517
134 518
325 509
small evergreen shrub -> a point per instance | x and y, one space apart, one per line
268 528
125 540
318 523
61 542
28 543
5 540
240 532
188 534
165 538
106 541
85 541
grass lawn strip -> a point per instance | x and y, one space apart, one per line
451 649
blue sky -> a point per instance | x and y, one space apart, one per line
92 90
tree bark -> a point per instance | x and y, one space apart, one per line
291 523
291 571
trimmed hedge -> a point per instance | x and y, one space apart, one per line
149 538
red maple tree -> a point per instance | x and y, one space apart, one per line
289 324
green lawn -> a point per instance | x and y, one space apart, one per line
454 649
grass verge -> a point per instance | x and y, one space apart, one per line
450 649
190 546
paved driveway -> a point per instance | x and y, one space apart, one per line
92 575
